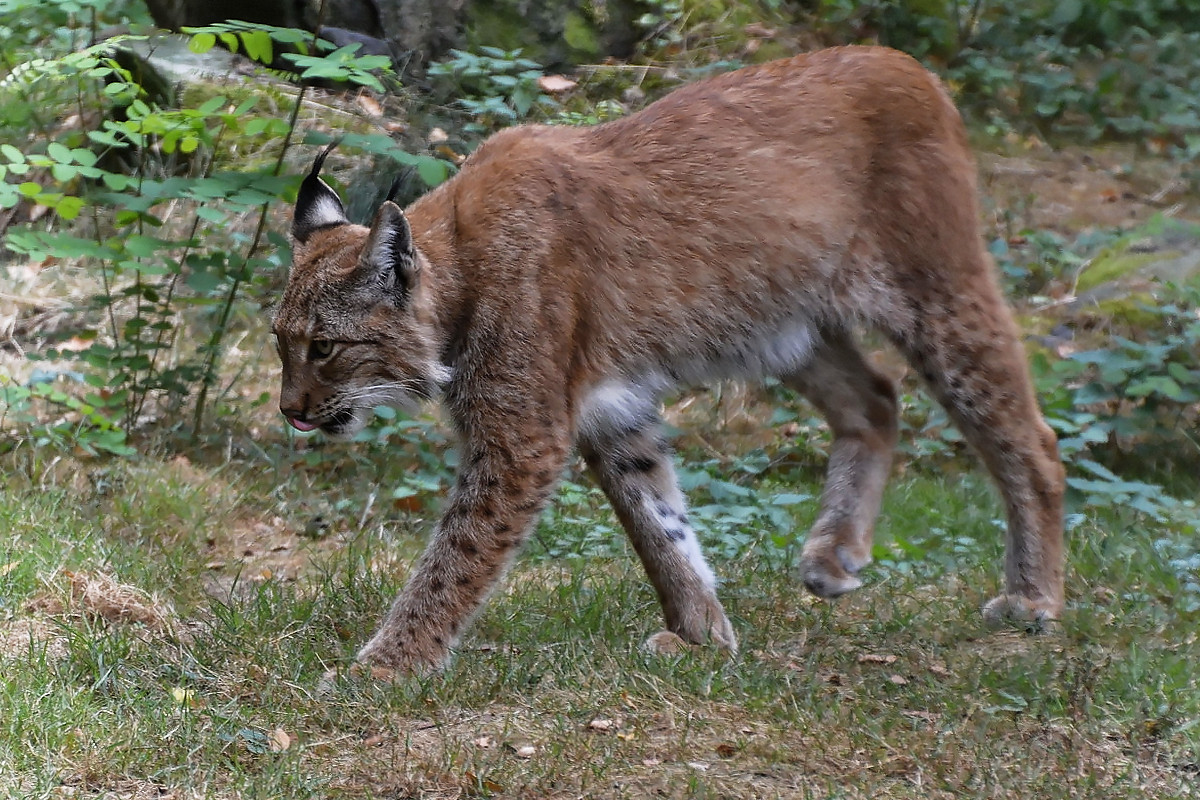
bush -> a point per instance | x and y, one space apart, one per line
146 200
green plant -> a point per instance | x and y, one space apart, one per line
496 87
1046 66
144 199
1132 395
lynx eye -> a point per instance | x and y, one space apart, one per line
320 348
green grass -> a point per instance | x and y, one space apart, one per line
896 691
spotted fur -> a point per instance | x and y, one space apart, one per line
741 227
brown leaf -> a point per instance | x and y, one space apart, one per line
448 153
759 29
726 750
370 106
899 680
872 658
279 740
602 725
555 84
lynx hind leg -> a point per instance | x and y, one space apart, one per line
968 350
859 402
620 441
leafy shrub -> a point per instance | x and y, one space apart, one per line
496 87
141 198
1049 65
1133 391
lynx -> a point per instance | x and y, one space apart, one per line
741 227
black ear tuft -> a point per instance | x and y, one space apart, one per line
317 206
402 181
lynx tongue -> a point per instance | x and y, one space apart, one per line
300 425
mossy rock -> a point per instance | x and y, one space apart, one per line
556 32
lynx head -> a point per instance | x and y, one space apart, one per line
352 330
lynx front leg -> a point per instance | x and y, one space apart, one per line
620 442
501 488
860 405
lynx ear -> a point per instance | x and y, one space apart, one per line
390 255
317 206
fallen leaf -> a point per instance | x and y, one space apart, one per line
9 567
758 29
483 742
650 762
437 136
370 106
184 697
374 740
413 502
726 750
872 658
601 725
554 84
279 740
75 344
898 680
448 153
474 784
525 751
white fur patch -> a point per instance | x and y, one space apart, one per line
682 536
325 210
754 357
615 406
440 373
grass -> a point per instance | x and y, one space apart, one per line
209 689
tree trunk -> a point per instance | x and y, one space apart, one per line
420 31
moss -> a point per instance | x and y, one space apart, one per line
1132 310
581 37
553 32
499 25
1116 264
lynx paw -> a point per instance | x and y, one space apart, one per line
669 643
1014 609
831 572
358 673
666 643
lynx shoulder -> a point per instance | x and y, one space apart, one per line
741 227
